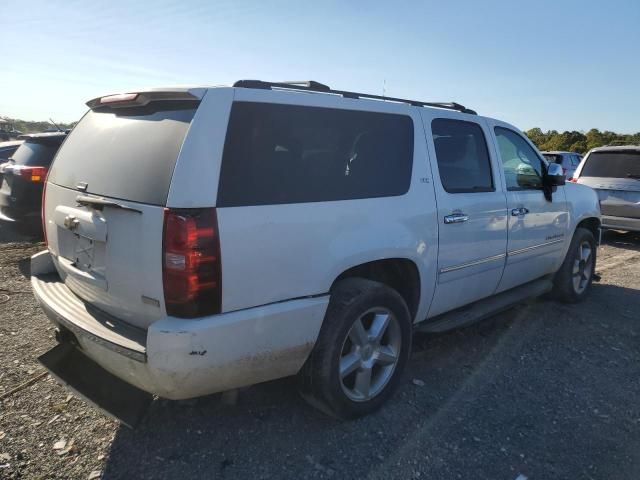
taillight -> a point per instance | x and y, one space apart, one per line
42 210
573 180
30 174
192 273
119 97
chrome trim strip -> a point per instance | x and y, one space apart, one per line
472 264
534 247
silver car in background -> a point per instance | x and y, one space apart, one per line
614 172
569 161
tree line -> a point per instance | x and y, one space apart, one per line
27 126
575 141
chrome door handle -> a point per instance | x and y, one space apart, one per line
519 212
456 218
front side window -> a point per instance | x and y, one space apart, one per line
276 154
462 155
522 166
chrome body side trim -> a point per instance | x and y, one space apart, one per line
498 257
472 264
534 247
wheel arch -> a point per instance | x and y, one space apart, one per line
401 274
593 225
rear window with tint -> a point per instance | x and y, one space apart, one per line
622 164
278 154
35 154
125 153
552 158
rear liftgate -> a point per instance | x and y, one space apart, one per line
113 396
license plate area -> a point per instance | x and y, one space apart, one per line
82 243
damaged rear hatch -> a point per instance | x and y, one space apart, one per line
105 199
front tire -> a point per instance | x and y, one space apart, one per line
573 280
361 352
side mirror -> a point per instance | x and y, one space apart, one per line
555 176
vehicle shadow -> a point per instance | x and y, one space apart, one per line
625 240
482 374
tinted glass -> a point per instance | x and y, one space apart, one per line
553 158
621 164
35 154
6 152
125 153
462 155
522 166
291 154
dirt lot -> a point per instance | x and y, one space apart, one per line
544 391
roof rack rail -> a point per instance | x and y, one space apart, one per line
622 143
313 86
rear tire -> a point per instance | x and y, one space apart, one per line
573 281
361 352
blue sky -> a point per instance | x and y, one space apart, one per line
565 65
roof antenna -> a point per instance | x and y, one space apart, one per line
384 87
55 125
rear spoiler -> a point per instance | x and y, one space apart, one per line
140 99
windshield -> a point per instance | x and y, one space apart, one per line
125 153
621 164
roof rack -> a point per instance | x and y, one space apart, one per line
622 143
313 86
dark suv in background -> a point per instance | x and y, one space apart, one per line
7 149
22 178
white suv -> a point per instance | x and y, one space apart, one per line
203 239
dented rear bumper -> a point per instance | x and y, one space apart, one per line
177 358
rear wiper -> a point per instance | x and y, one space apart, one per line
633 175
100 203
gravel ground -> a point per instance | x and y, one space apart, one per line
546 391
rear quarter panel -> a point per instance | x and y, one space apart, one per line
272 253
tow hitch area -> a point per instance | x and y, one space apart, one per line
116 398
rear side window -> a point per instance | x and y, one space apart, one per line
126 153
35 154
462 155
278 154
620 164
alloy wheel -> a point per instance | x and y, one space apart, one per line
369 354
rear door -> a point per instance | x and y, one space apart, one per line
471 210
105 200
615 175
537 226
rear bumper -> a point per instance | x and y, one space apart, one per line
178 358
9 214
621 223
17 208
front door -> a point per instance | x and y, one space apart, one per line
472 223
537 225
